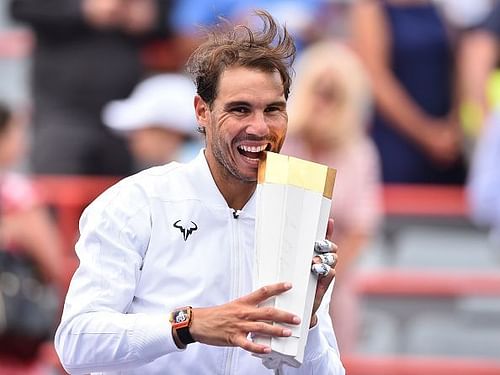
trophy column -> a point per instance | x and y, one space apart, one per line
293 206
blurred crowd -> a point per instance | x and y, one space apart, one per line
385 91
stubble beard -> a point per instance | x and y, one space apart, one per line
229 168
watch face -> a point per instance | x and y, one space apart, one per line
180 316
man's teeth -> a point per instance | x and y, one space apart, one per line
253 148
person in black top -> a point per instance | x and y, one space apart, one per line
87 52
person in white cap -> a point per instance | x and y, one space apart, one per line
158 120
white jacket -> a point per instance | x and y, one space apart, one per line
137 264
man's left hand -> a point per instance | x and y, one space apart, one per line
323 265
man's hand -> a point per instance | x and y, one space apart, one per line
231 323
441 140
325 261
129 16
102 14
139 16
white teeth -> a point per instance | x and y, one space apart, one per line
253 148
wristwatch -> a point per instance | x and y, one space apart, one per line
181 319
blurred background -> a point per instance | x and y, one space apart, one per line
400 96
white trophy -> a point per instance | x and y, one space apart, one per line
293 206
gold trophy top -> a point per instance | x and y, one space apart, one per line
288 170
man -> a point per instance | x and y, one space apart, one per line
183 235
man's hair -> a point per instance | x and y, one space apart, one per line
271 49
5 116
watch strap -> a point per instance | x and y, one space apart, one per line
184 336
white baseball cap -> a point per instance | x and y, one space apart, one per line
163 100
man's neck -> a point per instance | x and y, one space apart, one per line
236 193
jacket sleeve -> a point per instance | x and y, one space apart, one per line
321 354
96 333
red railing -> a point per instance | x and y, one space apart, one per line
69 195
425 200
394 282
404 365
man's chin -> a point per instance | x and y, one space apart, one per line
247 178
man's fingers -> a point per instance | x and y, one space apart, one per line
272 314
265 292
267 329
250 346
320 269
325 246
329 259
260 329
329 230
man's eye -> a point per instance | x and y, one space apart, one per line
272 109
240 110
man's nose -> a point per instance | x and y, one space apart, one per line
258 125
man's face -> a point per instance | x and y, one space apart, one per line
247 117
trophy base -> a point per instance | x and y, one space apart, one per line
275 360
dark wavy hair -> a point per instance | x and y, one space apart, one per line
270 49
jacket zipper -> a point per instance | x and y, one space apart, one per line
235 279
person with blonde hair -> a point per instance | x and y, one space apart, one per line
328 114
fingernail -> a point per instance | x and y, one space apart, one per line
267 349
287 332
296 320
323 246
320 269
288 285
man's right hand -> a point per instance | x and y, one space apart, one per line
230 324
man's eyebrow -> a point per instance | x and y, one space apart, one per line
236 104
280 103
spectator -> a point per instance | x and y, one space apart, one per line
20 205
87 53
484 178
478 59
329 112
27 232
158 120
407 52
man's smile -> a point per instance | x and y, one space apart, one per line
253 151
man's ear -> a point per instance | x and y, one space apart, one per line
201 110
